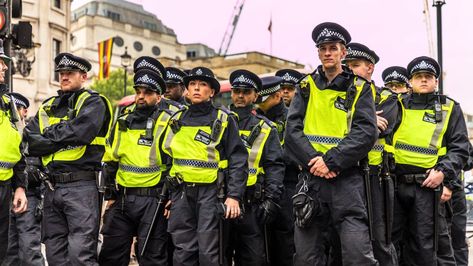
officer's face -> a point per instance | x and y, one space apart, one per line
72 80
361 68
287 94
145 97
423 83
173 91
23 112
397 87
331 54
243 97
199 91
3 68
271 101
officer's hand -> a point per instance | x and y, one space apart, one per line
330 175
318 167
232 208
268 209
446 195
109 204
381 122
19 200
434 179
167 209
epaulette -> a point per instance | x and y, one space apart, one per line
224 109
444 98
267 121
92 92
304 86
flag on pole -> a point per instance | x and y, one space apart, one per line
105 56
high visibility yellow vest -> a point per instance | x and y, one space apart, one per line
327 121
418 140
139 159
9 144
375 155
255 151
71 153
194 153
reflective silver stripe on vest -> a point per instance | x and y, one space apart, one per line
439 126
412 148
323 139
152 153
139 170
195 163
378 147
7 165
252 171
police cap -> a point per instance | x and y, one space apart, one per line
204 74
70 62
395 74
423 64
149 79
330 32
359 51
148 62
244 79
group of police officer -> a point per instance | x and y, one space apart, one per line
329 169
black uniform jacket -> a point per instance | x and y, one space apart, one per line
230 147
272 157
91 121
354 147
455 139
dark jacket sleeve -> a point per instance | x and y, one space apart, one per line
37 145
273 165
456 139
237 156
363 134
83 128
19 178
390 109
296 144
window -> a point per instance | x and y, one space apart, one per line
150 26
191 54
118 41
57 3
113 15
155 50
138 46
56 51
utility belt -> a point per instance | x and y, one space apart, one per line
254 193
411 178
375 170
140 191
73 177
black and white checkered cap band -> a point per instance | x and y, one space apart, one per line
288 77
66 62
396 76
424 66
270 90
147 64
245 80
19 102
330 33
6 165
140 170
195 163
323 139
252 171
173 76
147 80
416 149
359 54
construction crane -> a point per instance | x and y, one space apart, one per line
227 37
428 28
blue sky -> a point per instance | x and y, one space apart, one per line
396 30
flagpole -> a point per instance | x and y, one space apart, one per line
270 28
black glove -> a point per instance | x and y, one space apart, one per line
267 211
305 208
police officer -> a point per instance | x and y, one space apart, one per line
271 105
331 127
208 182
396 79
24 237
11 163
290 77
175 88
266 173
362 60
69 132
139 166
431 148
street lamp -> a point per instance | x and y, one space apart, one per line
126 62
438 4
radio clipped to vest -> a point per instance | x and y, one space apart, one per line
149 129
438 111
216 129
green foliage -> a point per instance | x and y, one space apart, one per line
112 87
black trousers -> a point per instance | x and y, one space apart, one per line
193 225
71 223
342 207
131 216
457 225
5 204
24 237
246 239
413 228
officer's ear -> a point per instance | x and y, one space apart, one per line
213 93
343 49
370 68
256 97
83 76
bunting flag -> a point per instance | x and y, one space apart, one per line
105 57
